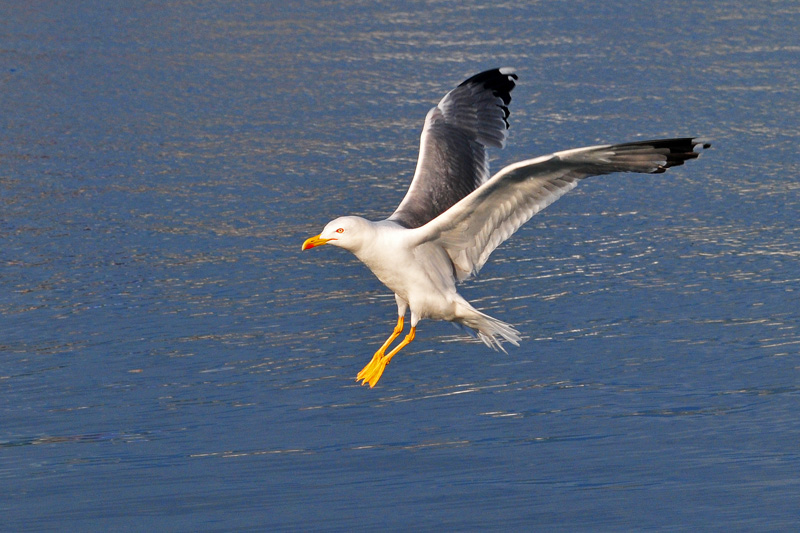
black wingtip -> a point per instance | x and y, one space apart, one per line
682 150
499 80
676 151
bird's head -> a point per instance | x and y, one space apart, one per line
344 232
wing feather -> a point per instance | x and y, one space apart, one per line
452 158
471 229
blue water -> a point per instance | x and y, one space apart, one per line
170 361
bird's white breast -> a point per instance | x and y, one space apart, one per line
421 274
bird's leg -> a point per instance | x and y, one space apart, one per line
377 371
398 329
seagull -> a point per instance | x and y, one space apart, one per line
455 214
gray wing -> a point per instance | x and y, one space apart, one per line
452 157
471 230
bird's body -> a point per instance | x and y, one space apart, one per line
420 273
454 215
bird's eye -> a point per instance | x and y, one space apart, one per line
340 230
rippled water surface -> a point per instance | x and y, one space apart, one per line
169 360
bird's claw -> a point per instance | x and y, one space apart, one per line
374 370
367 370
371 373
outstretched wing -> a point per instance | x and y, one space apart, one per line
471 229
452 157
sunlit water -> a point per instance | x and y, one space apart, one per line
171 361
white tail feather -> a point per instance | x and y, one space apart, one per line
487 328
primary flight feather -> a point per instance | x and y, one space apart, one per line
454 214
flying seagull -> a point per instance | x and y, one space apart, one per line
455 214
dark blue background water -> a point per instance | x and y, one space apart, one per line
171 361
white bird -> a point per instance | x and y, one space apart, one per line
454 214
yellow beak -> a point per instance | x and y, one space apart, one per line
314 241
